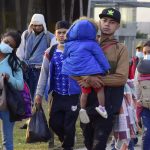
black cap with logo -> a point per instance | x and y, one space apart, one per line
112 13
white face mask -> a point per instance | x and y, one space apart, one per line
5 48
139 54
147 57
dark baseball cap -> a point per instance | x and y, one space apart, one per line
112 13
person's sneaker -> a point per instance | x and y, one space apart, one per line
84 118
102 111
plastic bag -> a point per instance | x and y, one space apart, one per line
18 102
15 103
37 130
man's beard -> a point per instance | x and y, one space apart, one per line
38 32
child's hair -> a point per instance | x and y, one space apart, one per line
13 60
89 19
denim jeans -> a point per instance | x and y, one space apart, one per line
32 77
7 131
146 124
131 144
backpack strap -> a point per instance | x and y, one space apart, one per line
34 49
51 52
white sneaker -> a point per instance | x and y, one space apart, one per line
84 118
102 111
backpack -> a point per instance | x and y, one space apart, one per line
145 93
132 67
144 82
27 101
51 52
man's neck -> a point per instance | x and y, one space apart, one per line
106 36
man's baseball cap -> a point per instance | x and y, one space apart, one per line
112 13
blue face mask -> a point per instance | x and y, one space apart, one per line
5 48
147 57
139 54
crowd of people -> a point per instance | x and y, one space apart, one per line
87 75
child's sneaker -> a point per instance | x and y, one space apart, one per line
102 111
84 118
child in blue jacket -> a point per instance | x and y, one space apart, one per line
84 57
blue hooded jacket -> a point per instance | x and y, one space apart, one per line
83 55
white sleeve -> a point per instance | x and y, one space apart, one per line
43 78
21 49
53 41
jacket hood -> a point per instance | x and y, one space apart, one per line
82 30
37 19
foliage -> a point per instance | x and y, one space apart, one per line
140 35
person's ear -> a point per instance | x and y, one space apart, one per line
118 26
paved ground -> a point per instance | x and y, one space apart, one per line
137 147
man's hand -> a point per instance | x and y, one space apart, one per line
38 99
94 81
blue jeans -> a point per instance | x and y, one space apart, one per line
146 124
32 77
131 145
7 131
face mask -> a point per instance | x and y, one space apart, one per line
139 54
5 48
147 57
